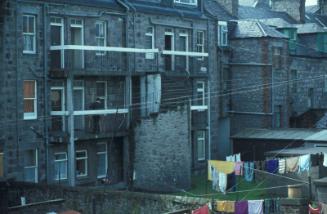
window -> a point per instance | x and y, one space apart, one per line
149 42
30 100
57 39
101 36
60 165
322 42
278 116
169 46
101 92
291 33
200 93
29 34
102 160
201 147
81 163
183 61
30 166
1 165
200 43
277 58
189 2
222 33
57 105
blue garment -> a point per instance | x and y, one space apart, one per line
249 171
272 166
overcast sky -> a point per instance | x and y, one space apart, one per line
311 2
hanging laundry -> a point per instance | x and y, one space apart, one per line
230 158
239 168
249 171
241 207
325 160
271 206
314 210
202 210
226 167
323 208
215 179
292 164
272 166
238 157
255 206
225 206
231 182
281 166
304 163
222 182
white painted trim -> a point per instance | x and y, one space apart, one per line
106 160
30 34
65 160
199 108
91 112
85 158
185 53
108 49
187 49
62 39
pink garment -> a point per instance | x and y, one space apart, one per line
239 168
202 210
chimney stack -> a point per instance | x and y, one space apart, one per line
230 5
294 8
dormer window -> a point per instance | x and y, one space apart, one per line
222 34
188 2
291 33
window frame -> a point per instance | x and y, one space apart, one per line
194 3
201 138
85 159
104 24
35 167
62 35
65 160
222 33
30 115
187 59
201 90
200 46
150 34
105 93
29 34
106 158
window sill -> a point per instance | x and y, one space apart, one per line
29 52
30 117
199 108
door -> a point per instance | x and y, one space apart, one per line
79 106
169 46
77 38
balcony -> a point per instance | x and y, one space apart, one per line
90 124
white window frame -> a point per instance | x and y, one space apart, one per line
30 34
35 167
150 34
65 160
104 37
31 115
85 159
106 159
79 23
200 46
222 32
62 37
170 32
201 137
201 90
190 2
63 104
105 93
186 50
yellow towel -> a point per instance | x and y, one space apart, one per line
225 206
225 167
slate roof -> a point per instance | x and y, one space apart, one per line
318 19
97 3
216 10
312 9
276 22
158 8
309 28
276 134
254 29
245 12
250 3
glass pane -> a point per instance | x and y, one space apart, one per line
56 100
55 35
148 42
101 165
101 148
80 167
101 89
61 170
81 154
29 158
29 174
25 19
31 24
29 106
28 42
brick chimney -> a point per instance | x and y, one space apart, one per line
294 8
230 5
323 7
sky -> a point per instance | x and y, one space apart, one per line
311 2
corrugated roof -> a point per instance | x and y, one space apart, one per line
254 29
275 134
262 13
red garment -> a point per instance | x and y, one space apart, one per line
202 210
314 210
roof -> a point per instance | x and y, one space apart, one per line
309 28
247 2
245 12
312 8
255 29
97 3
276 22
315 18
158 8
276 134
320 136
216 10
298 151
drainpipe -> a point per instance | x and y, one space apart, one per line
209 95
46 100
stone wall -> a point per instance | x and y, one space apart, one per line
295 8
163 152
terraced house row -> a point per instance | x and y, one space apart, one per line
144 92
